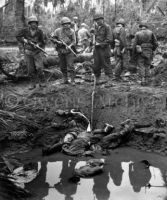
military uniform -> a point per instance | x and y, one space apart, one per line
65 55
120 50
145 43
33 57
102 51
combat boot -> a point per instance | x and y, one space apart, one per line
144 82
109 82
42 80
97 80
72 76
65 80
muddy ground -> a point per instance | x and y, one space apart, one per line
126 100
144 105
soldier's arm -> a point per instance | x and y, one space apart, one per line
88 34
154 42
135 42
20 35
73 42
109 35
41 40
123 38
55 34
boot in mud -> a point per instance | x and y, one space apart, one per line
65 80
109 82
42 81
72 76
144 82
97 80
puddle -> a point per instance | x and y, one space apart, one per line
120 181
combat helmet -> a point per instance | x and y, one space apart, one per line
65 20
143 24
98 16
32 19
121 21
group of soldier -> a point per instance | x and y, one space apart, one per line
104 41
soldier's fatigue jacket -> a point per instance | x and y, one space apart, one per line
145 43
66 35
102 51
148 43
119 33
103 35
37 38
120 50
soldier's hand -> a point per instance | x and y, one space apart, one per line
25 41
97 44
37 45
59 42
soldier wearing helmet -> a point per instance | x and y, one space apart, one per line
102 52
120 49
67 35
33 56
145 43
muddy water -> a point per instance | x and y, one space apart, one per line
124 178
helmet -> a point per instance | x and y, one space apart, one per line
75 18
143 24
84 25
65 20
121 21
98 16
32 19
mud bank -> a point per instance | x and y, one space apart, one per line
144 105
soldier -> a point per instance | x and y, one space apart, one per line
33 56
83 33
102 51
145 43
67 35
75 23
120 50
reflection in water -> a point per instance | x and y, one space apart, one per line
63 186
116 172
126 192
39 186
139 175
100 188
52 182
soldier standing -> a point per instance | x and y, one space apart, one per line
102 51
145 43
120 50
67 35
33 56
83 33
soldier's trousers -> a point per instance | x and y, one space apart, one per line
66 63
122 62
143 67
34 62
102 60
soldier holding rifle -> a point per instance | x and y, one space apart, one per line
65 41
102 51
32 39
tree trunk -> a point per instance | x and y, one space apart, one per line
19 14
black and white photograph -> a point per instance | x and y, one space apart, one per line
83 99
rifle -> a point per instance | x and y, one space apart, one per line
54 40
36 46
